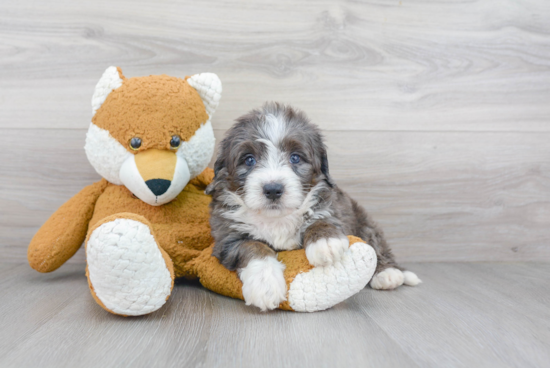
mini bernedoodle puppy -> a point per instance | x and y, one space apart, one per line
272 192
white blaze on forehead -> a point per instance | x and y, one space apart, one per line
273 158
273 132
274 128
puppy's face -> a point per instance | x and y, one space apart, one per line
271 159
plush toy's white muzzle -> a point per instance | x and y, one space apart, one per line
155 189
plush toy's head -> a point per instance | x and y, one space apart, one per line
152 134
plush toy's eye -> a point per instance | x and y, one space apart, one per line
294 159
135 143
175 141
250 160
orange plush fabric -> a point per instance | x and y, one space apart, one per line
181 227
175 231
142 103
61 236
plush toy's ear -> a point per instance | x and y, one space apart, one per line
209 87
111 79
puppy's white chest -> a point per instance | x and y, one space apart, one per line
282 233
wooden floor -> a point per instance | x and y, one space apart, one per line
463 315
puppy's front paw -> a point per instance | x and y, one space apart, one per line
264 285
388 279
326 251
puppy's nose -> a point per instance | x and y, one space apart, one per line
158 186
273 191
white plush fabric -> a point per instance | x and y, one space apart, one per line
324 287
132 179
126 268
198 151
209 87
105 153
109 81
125 265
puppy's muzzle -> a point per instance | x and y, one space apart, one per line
273 191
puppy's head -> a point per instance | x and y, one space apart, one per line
270 161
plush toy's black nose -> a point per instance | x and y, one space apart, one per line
273 191
158 186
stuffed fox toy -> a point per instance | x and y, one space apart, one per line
146 221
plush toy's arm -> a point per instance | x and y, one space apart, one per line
309 288
61 236
203 179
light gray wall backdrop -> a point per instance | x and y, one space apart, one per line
436 113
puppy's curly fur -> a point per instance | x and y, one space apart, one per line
272 191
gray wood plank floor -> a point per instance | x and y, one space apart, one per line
463 315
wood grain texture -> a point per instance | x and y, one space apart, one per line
462 196
479 306
436 112
369 65
463 315
439 197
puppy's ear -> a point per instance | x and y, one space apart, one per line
218 166
210 188
324 169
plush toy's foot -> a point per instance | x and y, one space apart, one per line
127 272
323 287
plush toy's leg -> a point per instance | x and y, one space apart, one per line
128 273
309 288
320 288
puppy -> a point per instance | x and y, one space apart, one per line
272 192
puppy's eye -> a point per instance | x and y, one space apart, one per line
135 143
250 161
294 159
175 141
